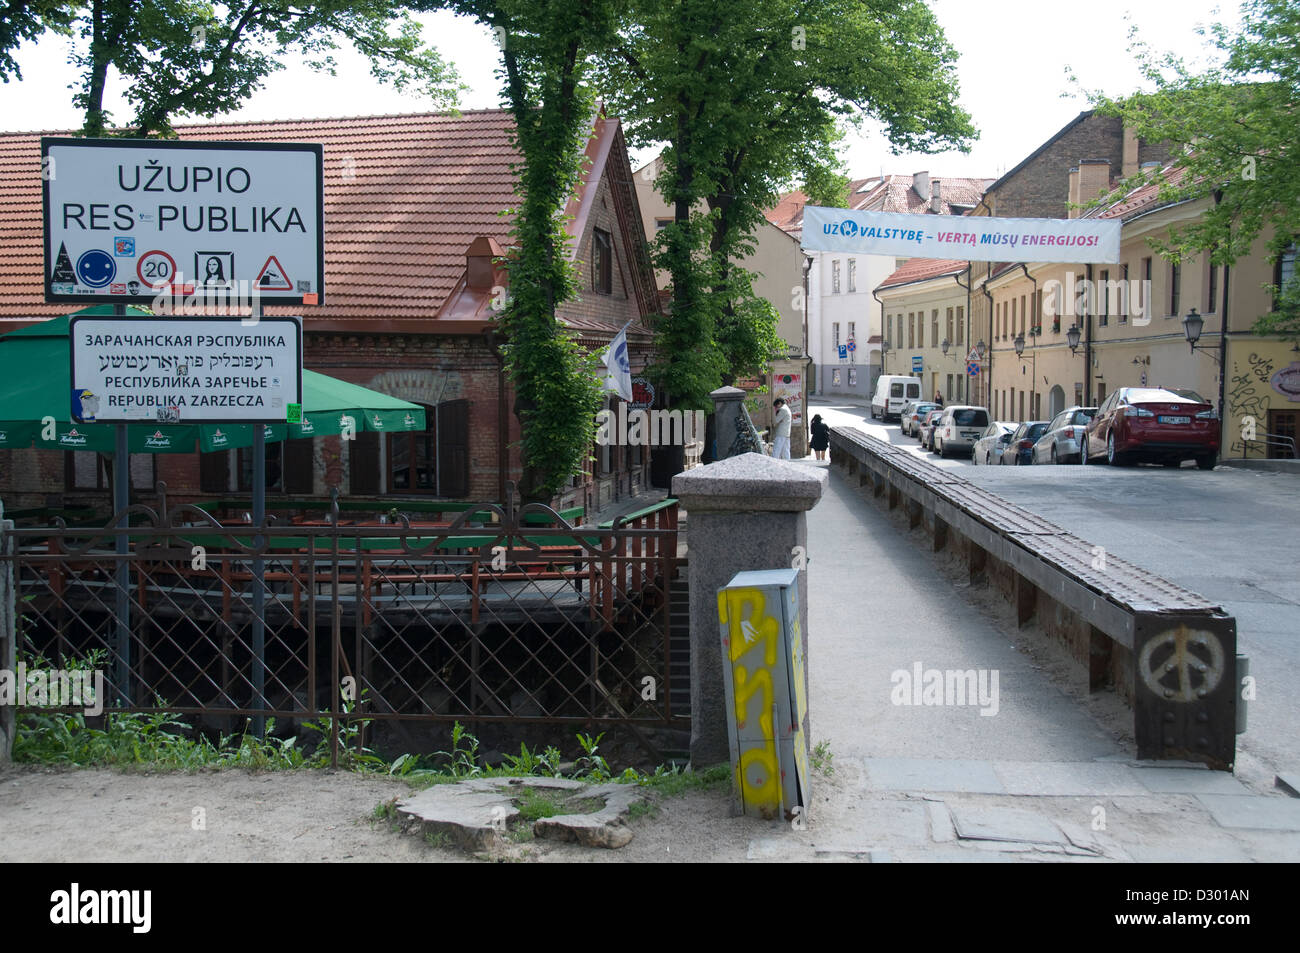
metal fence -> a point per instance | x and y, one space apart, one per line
506 614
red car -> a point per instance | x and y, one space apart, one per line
1153 424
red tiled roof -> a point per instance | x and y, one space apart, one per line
404 198
922 269
1144 198
892 193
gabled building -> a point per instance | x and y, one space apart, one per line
413 235
842 312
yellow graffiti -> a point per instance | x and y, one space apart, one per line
759 625
765 791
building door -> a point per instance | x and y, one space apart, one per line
1055 401
1282 423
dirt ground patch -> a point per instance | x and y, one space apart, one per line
94 815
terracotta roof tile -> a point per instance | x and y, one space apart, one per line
892 193
922 269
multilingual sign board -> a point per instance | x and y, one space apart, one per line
128 220
200 370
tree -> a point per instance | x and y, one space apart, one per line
191 58
1239 125
26 20
545 46
750 97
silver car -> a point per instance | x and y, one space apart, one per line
1064 436
995 439
958 429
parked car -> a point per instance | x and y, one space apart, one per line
927 427
959 428
1153 424
910 421
1063 437
892 392
989 447
1020 451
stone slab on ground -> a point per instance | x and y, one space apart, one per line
1187 781
606 827
1253 812
1289 781
920 774
471 815
1005 824
1067 779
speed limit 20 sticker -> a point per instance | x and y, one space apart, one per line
156 268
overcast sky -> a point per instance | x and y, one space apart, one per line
1013 55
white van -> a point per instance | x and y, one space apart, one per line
892 392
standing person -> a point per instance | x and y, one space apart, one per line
821 436
938 398
781 430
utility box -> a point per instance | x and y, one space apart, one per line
763 676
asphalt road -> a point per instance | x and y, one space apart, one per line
1228 534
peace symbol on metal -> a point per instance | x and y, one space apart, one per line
1182 665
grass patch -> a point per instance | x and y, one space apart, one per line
822 758
674 781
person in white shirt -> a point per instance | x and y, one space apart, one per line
781 430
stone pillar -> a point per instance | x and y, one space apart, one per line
727 403
8 630
745 512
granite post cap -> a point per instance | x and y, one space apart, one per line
750 481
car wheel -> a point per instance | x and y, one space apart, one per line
1205 461
943 452
1112 457
1083 452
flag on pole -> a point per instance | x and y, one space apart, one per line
618 369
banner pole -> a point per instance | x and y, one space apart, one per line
259 566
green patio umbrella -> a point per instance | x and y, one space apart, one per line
35 389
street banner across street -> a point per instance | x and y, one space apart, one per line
128 220
200 370
961 238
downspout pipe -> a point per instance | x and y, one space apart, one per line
1035 314
1087 345
1223 349
969 343
988 384
491 336
884 333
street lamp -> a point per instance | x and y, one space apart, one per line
1020 345
981 348
1072 338
1193 323
884 353
945 346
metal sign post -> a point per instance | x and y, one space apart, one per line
259 565
122 571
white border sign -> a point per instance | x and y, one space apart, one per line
961 237
127 220
200 370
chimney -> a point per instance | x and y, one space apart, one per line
480 272
1130 162
936 203
1094 178
1072 194
921 184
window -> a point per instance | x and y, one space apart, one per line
898 341
835 332
1284 270
214 471
948 337
1101 389
1104 318
961 321
835 277
1175 287
1024 315
853 274
662 223
602 262
911 329
1211 286
87 470
934 328
1128 298
435 460
852 353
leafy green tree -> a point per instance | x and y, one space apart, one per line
545 48
27 20
195 58
1239 125
749 98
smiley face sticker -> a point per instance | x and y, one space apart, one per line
96 268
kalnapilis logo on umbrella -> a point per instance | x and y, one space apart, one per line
85 405
158 441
